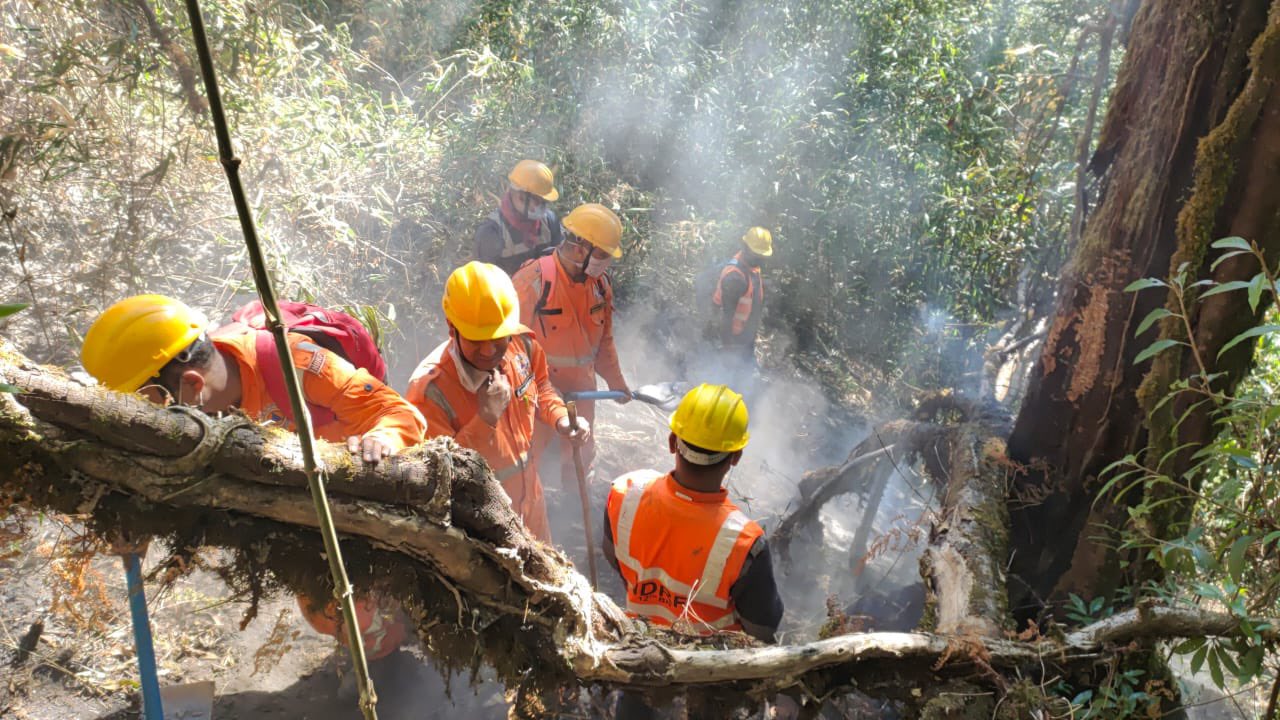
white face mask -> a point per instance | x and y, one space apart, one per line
596 266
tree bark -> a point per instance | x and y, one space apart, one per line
1187 154
434 530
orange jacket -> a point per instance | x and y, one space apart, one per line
573 321
362 405
679 551
453 411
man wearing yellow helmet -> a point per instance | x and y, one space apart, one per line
739 294
688 555
567 299
160 347
523 227
487 384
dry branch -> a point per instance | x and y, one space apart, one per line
434 530
903 438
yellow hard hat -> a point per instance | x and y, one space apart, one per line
759 241
597 225
712 417
532 176
481 302
129 343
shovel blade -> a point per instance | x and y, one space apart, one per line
665 395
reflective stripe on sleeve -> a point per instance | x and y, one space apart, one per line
505 472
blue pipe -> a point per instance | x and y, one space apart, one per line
597 395
152 708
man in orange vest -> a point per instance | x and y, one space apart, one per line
739 294
523 227
689 557
567 299
488 382
160 347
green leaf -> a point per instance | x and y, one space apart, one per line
1256 286
1251 663
1215 669
1224 256
1189 645
1150 319
1228 662
1243 461
1155 348
1271 537
1234 242
7 388
8 309
1250 333
1235 557
1225 287
1197 660
1145 283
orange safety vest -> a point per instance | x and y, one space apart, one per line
437 391
753 297
572 321
679 551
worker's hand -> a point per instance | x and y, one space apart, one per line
371 448
493 396
578 436
625 399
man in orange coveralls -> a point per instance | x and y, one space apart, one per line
488 382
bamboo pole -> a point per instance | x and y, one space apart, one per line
302 417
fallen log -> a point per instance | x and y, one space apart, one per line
433 529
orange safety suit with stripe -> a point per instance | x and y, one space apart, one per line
360 403
573 320
436 389
679 551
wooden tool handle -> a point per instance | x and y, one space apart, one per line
583 496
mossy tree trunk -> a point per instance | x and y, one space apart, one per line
1189 152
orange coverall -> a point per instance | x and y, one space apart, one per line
360 403
574 323
450 409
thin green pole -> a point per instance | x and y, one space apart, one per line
302 418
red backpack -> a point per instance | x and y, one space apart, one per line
332 330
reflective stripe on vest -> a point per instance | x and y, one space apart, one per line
651 610
746 303
519 465
511 248
570 360
652 591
